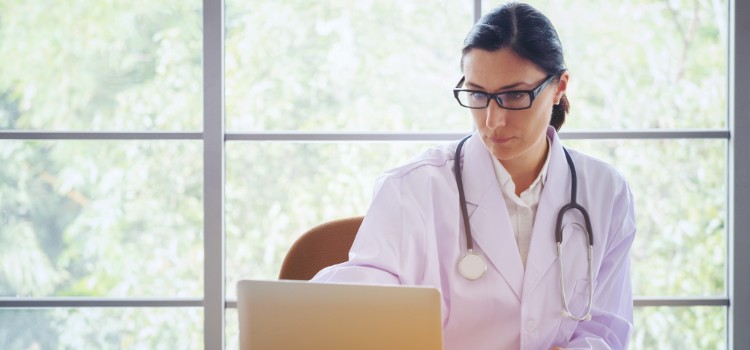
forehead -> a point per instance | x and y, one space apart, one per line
491 69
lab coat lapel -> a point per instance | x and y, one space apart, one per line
543 247
488 216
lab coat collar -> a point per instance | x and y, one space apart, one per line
488 215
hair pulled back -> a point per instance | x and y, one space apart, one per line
530 35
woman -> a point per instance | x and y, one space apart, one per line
516 179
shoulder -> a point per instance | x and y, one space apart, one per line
596 171
436 159
427 172
606 191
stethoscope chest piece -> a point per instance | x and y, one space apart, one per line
472 266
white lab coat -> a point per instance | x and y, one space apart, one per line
413 235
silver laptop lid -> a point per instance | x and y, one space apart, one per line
305 315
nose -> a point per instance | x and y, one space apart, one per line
495 115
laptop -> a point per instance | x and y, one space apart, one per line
306 315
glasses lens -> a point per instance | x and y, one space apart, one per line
515 100
472 99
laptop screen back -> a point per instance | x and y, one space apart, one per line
305 315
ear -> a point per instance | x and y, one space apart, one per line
562 86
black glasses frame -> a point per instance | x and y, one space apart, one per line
533 93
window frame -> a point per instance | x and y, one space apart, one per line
738 186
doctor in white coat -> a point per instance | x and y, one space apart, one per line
515 181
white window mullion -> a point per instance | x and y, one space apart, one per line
738 281
213 174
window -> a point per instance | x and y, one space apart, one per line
154 153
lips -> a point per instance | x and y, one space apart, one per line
500 139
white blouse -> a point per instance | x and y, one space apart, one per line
522 210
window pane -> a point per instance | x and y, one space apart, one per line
101 328
115 65
93 218
643 64
298 186
231 329
681 208
695 327
339 65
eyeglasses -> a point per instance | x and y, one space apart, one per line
514 100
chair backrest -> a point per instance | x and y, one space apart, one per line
322 246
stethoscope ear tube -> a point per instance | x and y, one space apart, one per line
461 197
573 204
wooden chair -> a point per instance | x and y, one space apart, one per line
322 246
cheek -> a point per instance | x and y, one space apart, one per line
545 107
542 115
479 117
545 116
531 120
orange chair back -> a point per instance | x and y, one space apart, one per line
322 246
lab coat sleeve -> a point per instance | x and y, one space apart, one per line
387 247
612 312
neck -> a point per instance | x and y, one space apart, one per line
525 169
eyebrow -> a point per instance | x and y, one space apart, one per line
510 86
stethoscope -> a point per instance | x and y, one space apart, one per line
472 265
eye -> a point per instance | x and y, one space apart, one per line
515 96
477 96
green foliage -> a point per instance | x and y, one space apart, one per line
643 64
369 65
121 65
94 328
680 328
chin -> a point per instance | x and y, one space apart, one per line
503 154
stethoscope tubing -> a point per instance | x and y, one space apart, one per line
461 197
573 204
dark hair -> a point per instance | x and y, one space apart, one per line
530 35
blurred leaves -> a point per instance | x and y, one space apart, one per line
365 65
122 65
113 219
97 328
696 327
20 248
644 63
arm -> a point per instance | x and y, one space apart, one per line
612 311
377 255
